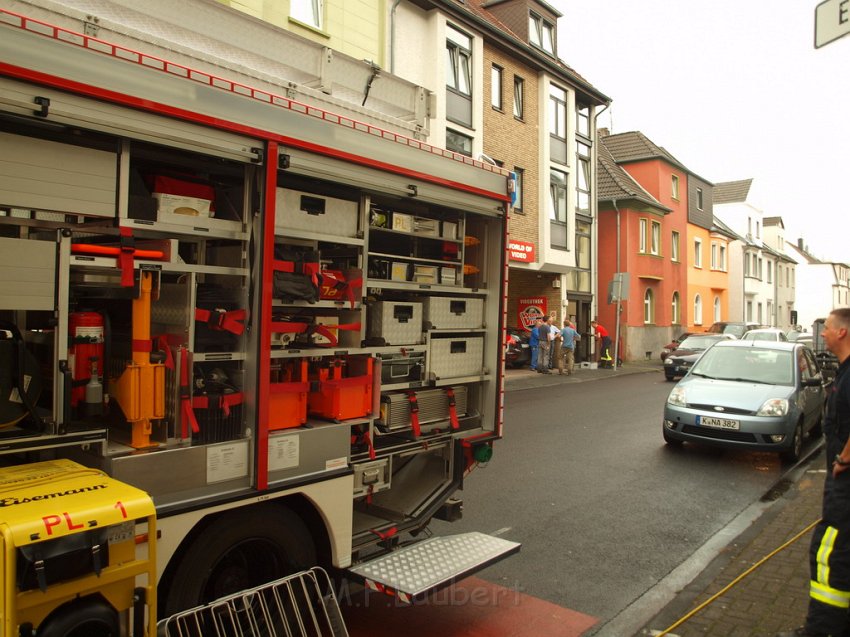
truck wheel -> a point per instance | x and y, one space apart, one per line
86 617
239 550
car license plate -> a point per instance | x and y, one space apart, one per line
524 346
720 423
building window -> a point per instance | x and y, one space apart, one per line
557 124
520 179
697 310
699 198
760 317
648 307
697 253
583 121
723 258
558 209
583 178
496 87
581 274
458 142
655 239
717 309
770 320
674 190
713 256
758 230
642 236
458 76
749 310
519 89
770 271
675 319
541 33
674 246
760 269
307 11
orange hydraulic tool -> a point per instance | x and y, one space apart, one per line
140 391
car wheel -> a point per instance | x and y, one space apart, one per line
673 442
793 454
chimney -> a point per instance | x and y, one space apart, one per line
602 132
800 243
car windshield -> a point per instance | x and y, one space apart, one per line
760 336
735 330
747 364
698 342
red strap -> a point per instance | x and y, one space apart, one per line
142 345
310 268
125 257
414 414
162 343
185 396
452 409
225 401
387 534
328 331
223 320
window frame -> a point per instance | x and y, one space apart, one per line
717 309
519 97
557 115
697 309
655 237
674 246
675 309
316 7
698 253
699 199
520 195
674 187
648 307
456 149
538 28
556 188
643 232
497 87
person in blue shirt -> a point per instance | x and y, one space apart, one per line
533 343
569 336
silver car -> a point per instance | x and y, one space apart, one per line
756 395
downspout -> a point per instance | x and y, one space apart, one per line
392 35
619 292
594 232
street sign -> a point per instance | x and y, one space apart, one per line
832 21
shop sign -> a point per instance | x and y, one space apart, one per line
530 310
520 251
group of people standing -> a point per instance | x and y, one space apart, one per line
553 347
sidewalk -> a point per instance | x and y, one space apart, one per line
772 598
524 378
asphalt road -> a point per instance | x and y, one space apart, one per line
604 510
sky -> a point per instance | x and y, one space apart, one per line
734 89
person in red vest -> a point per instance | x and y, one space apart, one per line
603 345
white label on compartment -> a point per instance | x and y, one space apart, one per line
336 463
284 452
227 462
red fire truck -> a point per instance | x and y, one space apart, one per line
239 336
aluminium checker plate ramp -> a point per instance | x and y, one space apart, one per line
415 571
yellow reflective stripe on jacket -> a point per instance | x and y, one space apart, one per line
827 543
830 596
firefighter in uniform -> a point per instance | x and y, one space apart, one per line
829 554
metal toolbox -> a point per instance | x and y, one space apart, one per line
371 477
407 367
397 323
456 357
306 211
433 408
452 313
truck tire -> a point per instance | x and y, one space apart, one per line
238 550
86 617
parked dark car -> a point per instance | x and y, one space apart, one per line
735 328
674 345
517 351
754 395
680 360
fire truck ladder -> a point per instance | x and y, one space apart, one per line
300 605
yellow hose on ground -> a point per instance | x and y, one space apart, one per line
685 618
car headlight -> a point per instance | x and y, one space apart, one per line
677 397
774 407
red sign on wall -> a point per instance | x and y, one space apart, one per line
530 310
520 251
